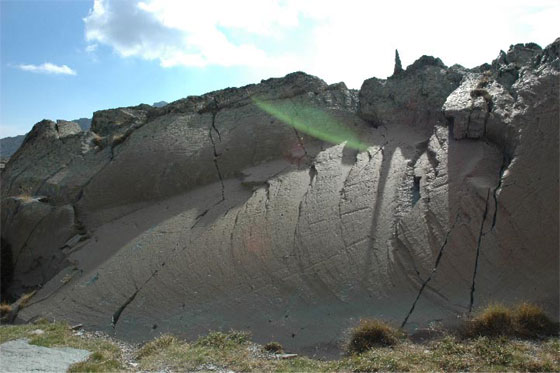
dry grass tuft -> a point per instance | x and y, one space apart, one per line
25 298
493 321
523 321
5 309
118 139
532 322
156 345
273 347
224 340
371 333
98 140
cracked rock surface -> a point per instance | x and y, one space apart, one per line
213 213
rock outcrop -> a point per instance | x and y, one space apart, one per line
292 208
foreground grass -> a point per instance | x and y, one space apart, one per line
235 351
447 354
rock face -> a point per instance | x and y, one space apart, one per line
9 145
292 208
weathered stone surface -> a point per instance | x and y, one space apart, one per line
279 208
412 97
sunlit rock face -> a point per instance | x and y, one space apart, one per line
292 208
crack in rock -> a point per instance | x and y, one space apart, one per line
479 242
505 164
216 155
425 283
120 310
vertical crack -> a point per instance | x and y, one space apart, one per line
415 190
214 112
480 235
425 283
505 164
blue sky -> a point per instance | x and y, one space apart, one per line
67 59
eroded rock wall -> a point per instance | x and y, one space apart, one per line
292 208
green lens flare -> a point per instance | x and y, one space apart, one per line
312 121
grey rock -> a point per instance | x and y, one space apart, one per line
413 97
9 145
108 122
20 356
279 208
398 66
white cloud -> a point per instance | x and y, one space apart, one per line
339 41
47 68
91 48
185 33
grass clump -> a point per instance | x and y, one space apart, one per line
156 345
493 321
99 361
273 347
523 321
532 322
5 309
224 340
369 334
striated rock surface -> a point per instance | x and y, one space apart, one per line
292 208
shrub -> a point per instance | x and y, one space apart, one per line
156 345
531 322
369 334
273 347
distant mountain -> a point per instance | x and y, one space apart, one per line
85 123
159 104
9 145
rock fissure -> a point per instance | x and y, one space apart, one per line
434 270
505 164
116 316
216 154
478 244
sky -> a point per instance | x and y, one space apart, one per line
66 59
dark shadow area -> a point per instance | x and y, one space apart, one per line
6 271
